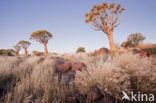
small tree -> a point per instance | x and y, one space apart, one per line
135 39
42 36
17 49
105 18
81 50
24 44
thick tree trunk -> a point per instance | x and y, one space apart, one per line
45 48
111 41
25 52
17 53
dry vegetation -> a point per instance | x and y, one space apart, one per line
28 80
37 78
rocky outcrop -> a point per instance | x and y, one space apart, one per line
100 51
150 52
7 52
70 67
67 71
64 68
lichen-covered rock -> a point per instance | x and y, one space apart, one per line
67 71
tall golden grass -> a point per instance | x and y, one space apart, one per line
146 45
26 80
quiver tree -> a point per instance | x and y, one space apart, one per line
17 49
43 37
105 18
24 45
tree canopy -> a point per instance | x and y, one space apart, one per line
17 47
105 17
135 39
24 44
41 36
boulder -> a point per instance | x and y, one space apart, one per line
135 51
100 51
64 68
77 66
7 52
58 60
143 53
70 67
148 52
67 71
66 78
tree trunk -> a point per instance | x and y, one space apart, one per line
25 52
45 48
111 41
17 53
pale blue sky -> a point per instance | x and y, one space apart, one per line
65 20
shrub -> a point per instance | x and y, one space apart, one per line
135 39
81 50
28 79
125 44
31 81
122 72
37 53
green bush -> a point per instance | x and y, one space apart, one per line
81 50
135 39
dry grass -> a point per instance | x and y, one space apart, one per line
122 72
147 45
26 80
30 81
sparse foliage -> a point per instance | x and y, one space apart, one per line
17 49
135 39
37 53
24 44
43 37
125 44
105 18
81 50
